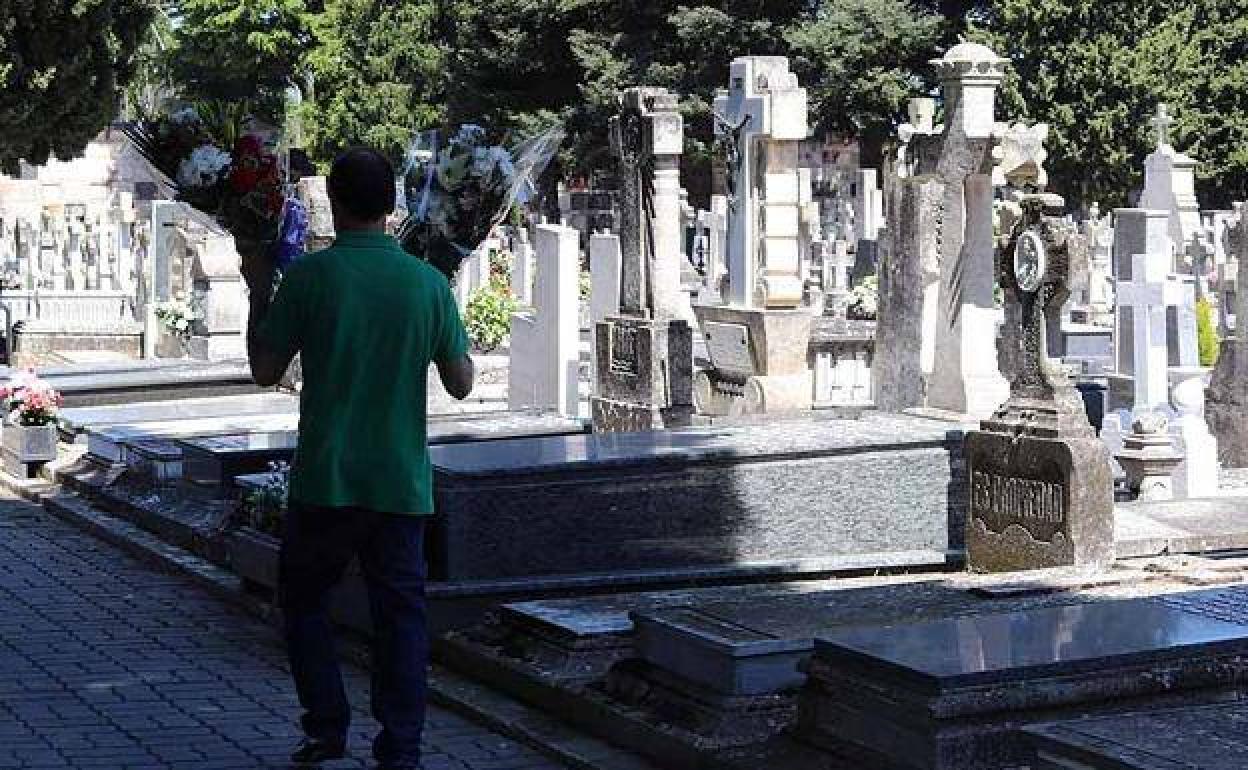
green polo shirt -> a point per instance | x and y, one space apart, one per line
367 319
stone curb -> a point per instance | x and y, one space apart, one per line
447 689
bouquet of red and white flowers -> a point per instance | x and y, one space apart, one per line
225 171
30 401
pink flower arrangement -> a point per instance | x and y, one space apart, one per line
31 401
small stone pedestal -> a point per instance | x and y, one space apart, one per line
643 375
1149 459
759 359
1041 493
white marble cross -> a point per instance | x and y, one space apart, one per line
762 119
1149 292
1161 123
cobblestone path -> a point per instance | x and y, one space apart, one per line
106 663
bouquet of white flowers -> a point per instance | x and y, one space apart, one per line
179 316
456 191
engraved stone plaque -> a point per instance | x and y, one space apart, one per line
624 350
729 346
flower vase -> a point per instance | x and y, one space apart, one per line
27 447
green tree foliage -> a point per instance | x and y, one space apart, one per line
379 73
1207 342
237 50
582 52
1095 71
860 61
62 69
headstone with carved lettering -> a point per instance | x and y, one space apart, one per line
758 336
644 354
1041 493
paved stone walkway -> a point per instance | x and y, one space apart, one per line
105 663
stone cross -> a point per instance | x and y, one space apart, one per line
1161 122
1040 487
1136 231
647 138
1148 294
760 121
1170 185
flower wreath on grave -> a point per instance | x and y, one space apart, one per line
30 401
222 165
454 191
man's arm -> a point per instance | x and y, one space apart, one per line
457 376
267 365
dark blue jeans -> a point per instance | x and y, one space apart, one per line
317 545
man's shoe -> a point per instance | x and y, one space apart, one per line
314 751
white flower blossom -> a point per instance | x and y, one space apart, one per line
204 167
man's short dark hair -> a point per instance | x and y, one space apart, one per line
362 184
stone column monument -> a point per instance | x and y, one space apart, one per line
965 377
1041 493
758 338
905 335
644 355
1227 396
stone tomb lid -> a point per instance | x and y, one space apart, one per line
1213 737
77 419
1008 647
774 440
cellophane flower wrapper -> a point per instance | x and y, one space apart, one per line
457 188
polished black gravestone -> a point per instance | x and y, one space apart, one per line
952 694
781 497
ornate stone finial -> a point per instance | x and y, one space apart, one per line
1020 157
1161 123
970 61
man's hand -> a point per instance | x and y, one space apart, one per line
457 376
259 270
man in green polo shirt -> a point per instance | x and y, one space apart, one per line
367 320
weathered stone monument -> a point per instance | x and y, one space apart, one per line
1227 396
909 269
965 377
644 355
940 223
758 337
1041 494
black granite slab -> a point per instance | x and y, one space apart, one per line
793 496
777 440
995 649
1196 738
953 694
